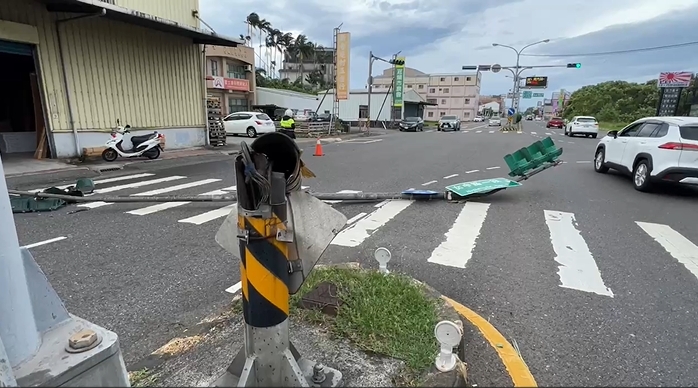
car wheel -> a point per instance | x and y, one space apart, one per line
251 132
641 176
600 161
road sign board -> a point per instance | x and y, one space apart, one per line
496 68
511 111
482 186
420 194
674 79
527 94
538 95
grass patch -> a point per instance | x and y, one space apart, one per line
611 126
431 123
388 315
142 378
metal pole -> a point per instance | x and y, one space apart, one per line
370 88
17 324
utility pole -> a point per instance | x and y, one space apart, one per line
518 69
335 103
371 58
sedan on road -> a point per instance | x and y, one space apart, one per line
494 122
556 122
248 123
415 124
450 122
651 150
583 125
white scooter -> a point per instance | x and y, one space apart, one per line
145 145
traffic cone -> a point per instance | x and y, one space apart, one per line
318 148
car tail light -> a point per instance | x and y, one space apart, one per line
679 146
258 122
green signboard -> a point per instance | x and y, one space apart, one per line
399 81
538 95
527 94
482 186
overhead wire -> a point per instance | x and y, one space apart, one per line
616 52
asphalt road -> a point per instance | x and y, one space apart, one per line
570 265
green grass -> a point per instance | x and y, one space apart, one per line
611 126
431 123
388 315
142 378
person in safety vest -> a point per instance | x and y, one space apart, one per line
288 125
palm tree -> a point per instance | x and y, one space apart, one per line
302 49
263 26
285 41
252 23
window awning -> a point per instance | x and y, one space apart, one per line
114 12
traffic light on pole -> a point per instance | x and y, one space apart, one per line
397 61
574 65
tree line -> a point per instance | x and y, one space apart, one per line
276 47
623 102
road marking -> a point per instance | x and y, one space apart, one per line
169 205
471 171
678 246
355 234
49 241
584 161
233 188
548 133
460 241
355 218
102 181
339 192
478 131
491 131
515 365
428 183
577 269
450 176
380 204
176 188
234 288
135 185
492 168
209 216
534 133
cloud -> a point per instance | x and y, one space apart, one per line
441 37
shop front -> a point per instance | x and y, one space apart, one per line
230 77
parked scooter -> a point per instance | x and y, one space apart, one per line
144 145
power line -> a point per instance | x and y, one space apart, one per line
598 54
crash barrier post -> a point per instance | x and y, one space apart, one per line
529 158
41 344
279 233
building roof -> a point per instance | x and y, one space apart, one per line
126 15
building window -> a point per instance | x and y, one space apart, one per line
467 101
442 113
214 67
456 79
430 114
363 111
443 101
236 71
468 78
420 87
431 100
446 90
466 114
409 86
443 79
237 105
432 90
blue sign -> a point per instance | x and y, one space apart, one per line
420 194
511 111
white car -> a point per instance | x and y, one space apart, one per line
651 150
450 122
248 123
494 122
538 118
478 119
582 125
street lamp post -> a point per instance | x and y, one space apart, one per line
518 69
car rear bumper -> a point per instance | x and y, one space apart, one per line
584 130
678 175
265 129
555 125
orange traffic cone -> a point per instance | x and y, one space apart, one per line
318 148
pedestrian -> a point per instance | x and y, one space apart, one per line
288 125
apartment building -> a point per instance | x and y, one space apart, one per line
230 76
454 94
321 63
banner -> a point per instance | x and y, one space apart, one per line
399 83
343 55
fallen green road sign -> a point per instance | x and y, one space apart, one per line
466 189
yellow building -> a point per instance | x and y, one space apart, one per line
230 77
72 68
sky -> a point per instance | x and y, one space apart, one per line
442 36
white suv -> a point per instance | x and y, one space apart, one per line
582 125
652 149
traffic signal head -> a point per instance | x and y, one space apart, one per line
574 65
397 61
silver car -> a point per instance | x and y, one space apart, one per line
494 122
449 122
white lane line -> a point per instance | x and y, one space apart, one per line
428 183
94 205
355 234
491 131
492 168
209 216
548 133
49 241
183 186
102 181
584 161
534 133
356 218
678 246
234 288
380 204
450 176
230 188
460 241
577 269
478 131
339 192
168 205
471 171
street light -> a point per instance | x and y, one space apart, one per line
519 69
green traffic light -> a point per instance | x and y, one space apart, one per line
578 65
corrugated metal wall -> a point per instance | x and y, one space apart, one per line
175 10
145 78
